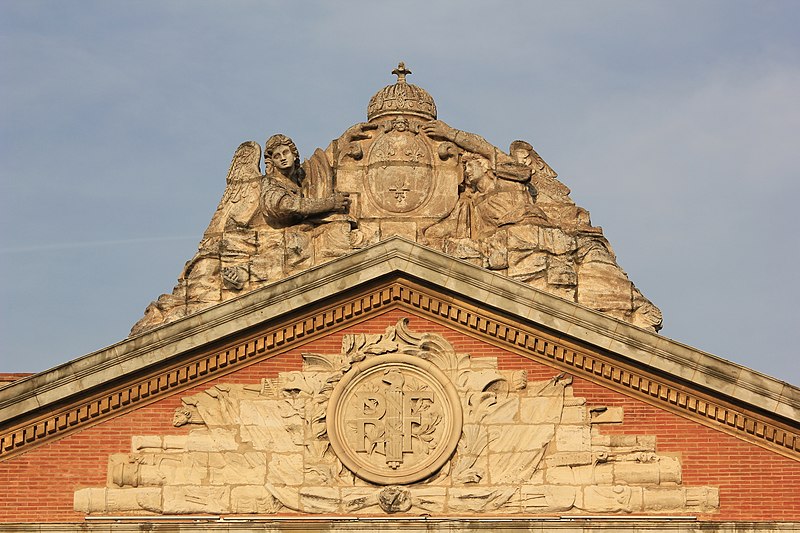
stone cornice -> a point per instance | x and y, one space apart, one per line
325 299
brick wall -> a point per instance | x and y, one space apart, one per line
755 484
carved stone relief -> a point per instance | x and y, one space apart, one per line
401 173
395 423
394 419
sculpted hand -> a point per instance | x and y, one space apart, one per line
359 132
439 129
340 201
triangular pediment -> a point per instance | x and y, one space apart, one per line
398 274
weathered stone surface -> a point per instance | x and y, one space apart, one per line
139 499
359 499
285 469
253 499
237 468
147 499
174 469
483 500
546 499
543 410
186 499
607 415
320 499
401 173
573 438
211 440
429 499
611 499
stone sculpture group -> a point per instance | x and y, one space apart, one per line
403 172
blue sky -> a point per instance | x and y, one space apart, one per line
674 123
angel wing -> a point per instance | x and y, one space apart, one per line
540 166
239 203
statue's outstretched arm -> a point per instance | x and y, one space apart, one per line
468 141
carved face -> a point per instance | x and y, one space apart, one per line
181 417
283 157
473 170
522 156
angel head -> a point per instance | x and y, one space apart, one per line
521 152
476 172
281 153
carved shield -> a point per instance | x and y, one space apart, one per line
399 172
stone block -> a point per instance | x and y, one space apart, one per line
470 468
599 474
123 470
520 437
175 443
253 499
196 499
664 500
623 441
611 499
135 499
669 469
569 459
505 411
359 499
573 438
352 179
332 240
604 286
285 469
91 500
526 266
611 415
427 499
483 499
561 273
560 475
523 238
146 443
175 469
635 473
401 228
701 499
211 440
230 468
540 410
546 499
514 467
555 241
369 234
576 414
267 265
320 499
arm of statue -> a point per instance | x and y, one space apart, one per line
468 141
339 202
293 207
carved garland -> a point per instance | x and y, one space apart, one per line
425 303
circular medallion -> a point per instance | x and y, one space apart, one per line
394 419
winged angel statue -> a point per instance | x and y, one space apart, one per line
266 226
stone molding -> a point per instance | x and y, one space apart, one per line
533 324
466 524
